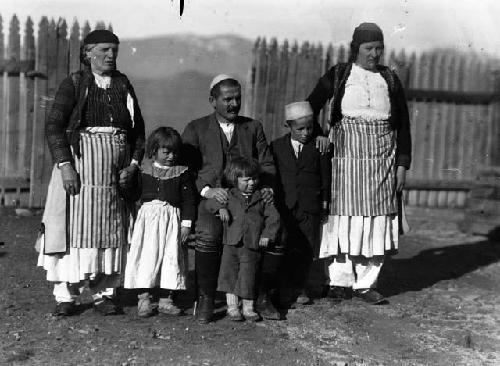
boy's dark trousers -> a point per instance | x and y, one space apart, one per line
302 247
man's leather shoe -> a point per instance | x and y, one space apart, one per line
370 296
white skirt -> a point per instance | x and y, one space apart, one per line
365 236
156 256
81 263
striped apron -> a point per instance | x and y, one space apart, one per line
363 168
98 216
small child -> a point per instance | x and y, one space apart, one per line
249 225
302 194
163 223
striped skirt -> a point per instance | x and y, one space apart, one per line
98 216
363 212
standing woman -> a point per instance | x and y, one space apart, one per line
95 132
370 132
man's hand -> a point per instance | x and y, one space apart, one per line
71 181
219 194
185 234
263 242
267 195
127 175
224 215
323 144
400 178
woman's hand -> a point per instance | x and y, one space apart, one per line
71 181
127 175
267 195
185 234
224 215
263 242
323 144
400 178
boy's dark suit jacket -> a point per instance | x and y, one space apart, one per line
304 182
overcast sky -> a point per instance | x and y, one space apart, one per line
414 24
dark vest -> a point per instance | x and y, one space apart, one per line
107 107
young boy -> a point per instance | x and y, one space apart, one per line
302 194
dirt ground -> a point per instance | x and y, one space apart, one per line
443 288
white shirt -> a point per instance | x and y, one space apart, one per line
366 95
228 129
297 147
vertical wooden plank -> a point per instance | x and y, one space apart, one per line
342 55
422 133
271 90
260 91
100 25
74 47
292 73
468 133
37 192
28 95
12 106
86 29
62 51
3 121
412 109
281 97
249 101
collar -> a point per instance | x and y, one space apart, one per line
103 82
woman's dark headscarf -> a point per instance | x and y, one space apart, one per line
94 37
363 33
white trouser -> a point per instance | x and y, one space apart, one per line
354 271
102 286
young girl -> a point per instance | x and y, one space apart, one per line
163 223
249 224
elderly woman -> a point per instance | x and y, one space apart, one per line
95 133
370 133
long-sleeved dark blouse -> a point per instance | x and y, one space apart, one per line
174 185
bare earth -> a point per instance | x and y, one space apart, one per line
443 288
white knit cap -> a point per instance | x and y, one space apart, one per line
297 110
218 79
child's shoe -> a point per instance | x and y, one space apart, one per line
233 310
144 307
249 312
166 306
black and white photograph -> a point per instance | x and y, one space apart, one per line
250 183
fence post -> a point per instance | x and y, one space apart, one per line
3 121
27 94
37 187
12 101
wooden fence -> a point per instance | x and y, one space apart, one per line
453 101
30 72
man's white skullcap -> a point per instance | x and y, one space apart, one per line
218 79
297 110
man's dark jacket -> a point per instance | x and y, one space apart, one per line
205 155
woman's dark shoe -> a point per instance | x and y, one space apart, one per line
64 309
370 296
106 306
205 309
338 293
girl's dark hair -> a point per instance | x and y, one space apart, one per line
240 167
163 137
